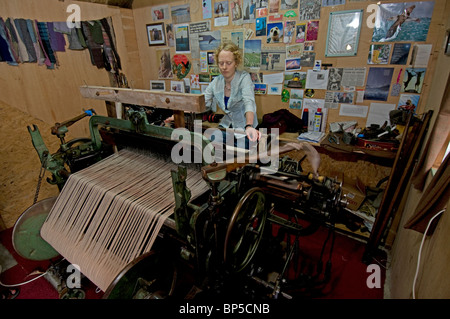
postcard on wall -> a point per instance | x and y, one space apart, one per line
289 31
295 104
252 53
260 88
236 12
203 62
262 12
209 40
206 9
307 59
413 80
275 32
300 32
249 11
274 6
312 31
170 35
408 102
294 51
400 53
294 80
379 54
177 86
195 81
403 21
165 64
309 9
261 27
273 58
160 12
157 85
181 14
288 4
182 38
221 9
274 89
293 64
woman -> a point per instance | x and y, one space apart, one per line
233 92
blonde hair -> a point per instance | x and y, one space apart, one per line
231 47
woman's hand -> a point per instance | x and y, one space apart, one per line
252 133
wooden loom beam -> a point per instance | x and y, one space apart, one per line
178 102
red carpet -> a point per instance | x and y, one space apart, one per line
348 274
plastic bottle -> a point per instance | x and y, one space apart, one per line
305 119
318 120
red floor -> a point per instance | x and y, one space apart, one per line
348 277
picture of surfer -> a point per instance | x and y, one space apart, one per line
400 19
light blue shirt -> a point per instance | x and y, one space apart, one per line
242 99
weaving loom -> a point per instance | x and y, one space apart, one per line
133 221
111 212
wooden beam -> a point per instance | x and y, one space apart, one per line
194 103
118 3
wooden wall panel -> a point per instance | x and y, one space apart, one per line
270 103
53 95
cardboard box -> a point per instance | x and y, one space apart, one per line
355 192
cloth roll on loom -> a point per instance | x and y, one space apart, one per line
111 212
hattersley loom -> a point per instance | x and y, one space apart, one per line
140 226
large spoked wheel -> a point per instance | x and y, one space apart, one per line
245 229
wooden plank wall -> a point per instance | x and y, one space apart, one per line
270 103
53 95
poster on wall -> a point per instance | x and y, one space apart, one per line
378 84
403 21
